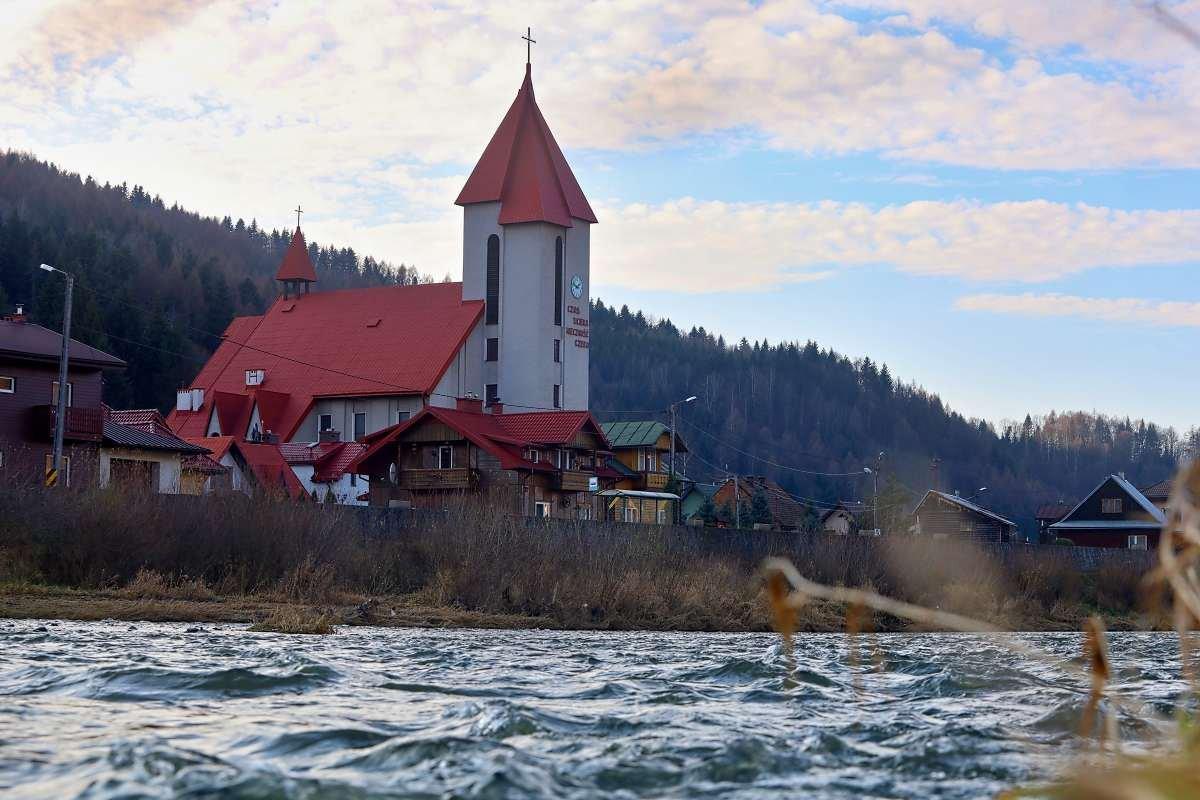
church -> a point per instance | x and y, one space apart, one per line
503 355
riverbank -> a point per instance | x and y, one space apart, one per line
98 555
397 611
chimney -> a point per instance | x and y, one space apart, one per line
497 408
472 404
16 316
330 436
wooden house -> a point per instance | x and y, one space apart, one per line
641 453
29 355
540 464
942 515
1113 515
841 519
786 512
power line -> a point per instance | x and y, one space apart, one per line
768 461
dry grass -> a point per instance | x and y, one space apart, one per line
478 561
295 621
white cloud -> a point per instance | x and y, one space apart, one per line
744 246
1119 309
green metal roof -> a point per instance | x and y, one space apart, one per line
634 433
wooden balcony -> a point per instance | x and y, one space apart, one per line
572 481
82 424
437 479
655 481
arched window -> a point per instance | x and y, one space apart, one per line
493 280
558 280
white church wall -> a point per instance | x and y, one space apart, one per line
382 412
576 336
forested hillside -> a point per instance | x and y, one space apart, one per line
156 285
794 411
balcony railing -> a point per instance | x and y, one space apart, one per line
82 424
573 481
655 481
434 479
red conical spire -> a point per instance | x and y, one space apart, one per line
297 266
524 169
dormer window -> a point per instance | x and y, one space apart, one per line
255 377
1110 505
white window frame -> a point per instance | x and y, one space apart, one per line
445 457
11 388
632 514
1107 505
663 516
70 394
532 455
321 426
1137 541
354 424
541 509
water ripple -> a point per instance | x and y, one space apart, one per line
107 710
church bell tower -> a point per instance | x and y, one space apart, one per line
526 247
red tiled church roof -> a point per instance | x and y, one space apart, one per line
296 266
524 169
388 340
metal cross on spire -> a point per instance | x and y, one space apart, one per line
299 211
529 40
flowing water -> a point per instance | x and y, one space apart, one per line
110 709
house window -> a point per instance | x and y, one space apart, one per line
360 424
558 280
353 479
532 455
557 396
541 510
662 516
558 351
493 280
54 394
493 350
585 512
325 422
402 416
966 526
646 460
491 393
446 457
1110 505
631 514
64 475
8 384
1137 541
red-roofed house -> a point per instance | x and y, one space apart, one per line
320 367
323 470
537 463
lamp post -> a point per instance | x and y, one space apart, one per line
874 473
60 416
673 408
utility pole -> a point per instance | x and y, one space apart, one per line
60 416
737 504
672 410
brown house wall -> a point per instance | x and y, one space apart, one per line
1118 540
34 383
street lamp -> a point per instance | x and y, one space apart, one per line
60 416
674 406
874 473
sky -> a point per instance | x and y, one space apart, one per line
1001 201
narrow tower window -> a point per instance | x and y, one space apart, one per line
558 280
493 280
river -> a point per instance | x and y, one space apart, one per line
106 710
